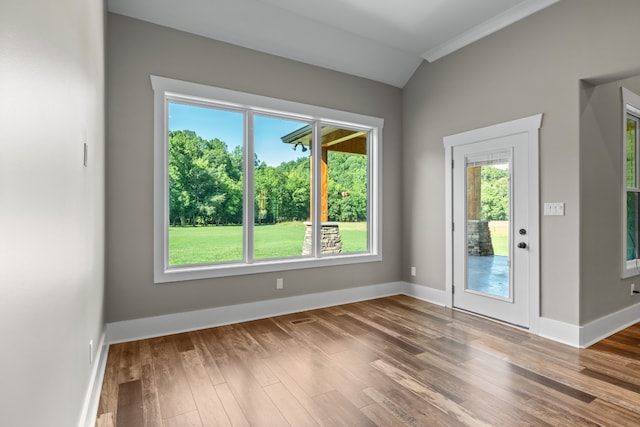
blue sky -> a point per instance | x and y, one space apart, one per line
227 126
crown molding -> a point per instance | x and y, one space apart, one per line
488 27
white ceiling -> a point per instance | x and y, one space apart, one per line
383 40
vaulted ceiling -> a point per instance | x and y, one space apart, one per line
383 40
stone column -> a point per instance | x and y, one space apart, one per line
479 238
330 239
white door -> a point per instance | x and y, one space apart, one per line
490 184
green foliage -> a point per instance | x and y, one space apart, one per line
347 175
282 192
495 194
206 185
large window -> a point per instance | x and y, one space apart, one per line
631 185
247 184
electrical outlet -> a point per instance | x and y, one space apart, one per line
90 352
413 271
279 283
634 290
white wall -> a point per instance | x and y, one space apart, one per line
533 66
51 207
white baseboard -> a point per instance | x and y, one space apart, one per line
561 332
592 332
129 330
608 325
425 293
565 333
92 396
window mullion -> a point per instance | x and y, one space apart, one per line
371 189
248 188
316 214
165 178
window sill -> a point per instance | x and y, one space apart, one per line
186 273
631 270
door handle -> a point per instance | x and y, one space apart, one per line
522 245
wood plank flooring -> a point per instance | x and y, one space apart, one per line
394 361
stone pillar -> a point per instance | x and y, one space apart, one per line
330 239
479 238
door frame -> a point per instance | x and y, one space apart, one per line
531 126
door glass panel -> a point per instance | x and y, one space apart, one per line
488 212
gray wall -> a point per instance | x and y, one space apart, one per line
136 49
601 199
51 207
534 66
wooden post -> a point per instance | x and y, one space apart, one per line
474 185
324 186
324 180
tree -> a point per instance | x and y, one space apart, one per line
347 175
200 188
494 194
206 184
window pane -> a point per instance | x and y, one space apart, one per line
632 225
281 186
205 184
344 191
632 129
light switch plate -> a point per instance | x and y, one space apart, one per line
554 208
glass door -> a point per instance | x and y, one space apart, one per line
490 201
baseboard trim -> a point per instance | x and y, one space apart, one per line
592 332
425 293
92 396
561 332
129 330
608 325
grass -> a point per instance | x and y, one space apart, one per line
500 237
203 245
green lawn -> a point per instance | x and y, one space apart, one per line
202 245
500 237
354 236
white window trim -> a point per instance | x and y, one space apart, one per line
164 87
630 104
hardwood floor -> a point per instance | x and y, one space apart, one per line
394 361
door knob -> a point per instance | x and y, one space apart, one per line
522 245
